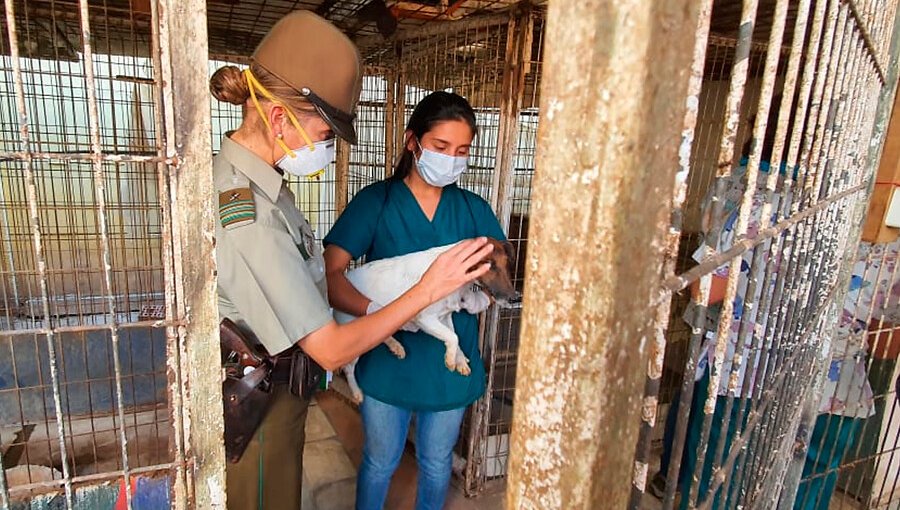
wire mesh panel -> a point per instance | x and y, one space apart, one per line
781 120
90 325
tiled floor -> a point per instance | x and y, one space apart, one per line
334 451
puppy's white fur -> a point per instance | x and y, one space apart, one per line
385 280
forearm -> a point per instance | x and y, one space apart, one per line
343 296
335 345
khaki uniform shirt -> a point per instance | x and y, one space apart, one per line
270 267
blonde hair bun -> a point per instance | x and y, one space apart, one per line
229 85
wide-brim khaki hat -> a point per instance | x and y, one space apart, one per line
318 61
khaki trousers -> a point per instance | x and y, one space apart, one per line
269 475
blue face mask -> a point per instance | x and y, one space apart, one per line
438 169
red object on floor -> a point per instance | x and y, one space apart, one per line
122 500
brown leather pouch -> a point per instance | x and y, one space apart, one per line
306 375
245 406
246 390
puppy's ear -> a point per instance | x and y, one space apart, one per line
510 251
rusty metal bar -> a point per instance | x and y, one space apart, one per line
183 41
100 198
726 156
775 251
790 482
390 120
701 297
874 54
520 33
800 265
791 248
733 101
164 119
98 477
25 140
399 108
749 313
341 176
853 122
767 397
722 41
815 187
738 81
162 64
801 236
588 344
81 328
824 241
428 30
82 156
879 117
846 127
891 70
695 86
658 343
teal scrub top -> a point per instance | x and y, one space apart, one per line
384 220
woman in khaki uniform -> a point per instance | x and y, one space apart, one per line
299 92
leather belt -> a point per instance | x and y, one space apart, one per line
281 369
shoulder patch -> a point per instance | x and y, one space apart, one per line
236 207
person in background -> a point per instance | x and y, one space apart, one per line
419 207
719 236
872 302
299 91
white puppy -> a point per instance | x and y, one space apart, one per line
385 280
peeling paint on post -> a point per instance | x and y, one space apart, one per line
612 113
183 40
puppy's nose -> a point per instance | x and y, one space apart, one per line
516 298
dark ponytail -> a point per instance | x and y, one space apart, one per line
435 108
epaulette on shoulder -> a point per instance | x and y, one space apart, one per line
236 207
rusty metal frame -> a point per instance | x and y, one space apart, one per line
178 42
38 251
835 138
881 116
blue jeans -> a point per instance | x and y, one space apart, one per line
386 427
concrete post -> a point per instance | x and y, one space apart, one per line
197 383
612 110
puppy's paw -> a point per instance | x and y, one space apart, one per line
462 364
395 347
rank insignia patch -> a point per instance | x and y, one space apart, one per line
236 207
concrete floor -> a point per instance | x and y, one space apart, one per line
334 451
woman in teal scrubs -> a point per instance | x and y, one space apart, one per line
417 208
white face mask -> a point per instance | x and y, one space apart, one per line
308 162
440 169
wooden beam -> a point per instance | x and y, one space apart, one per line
886 179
